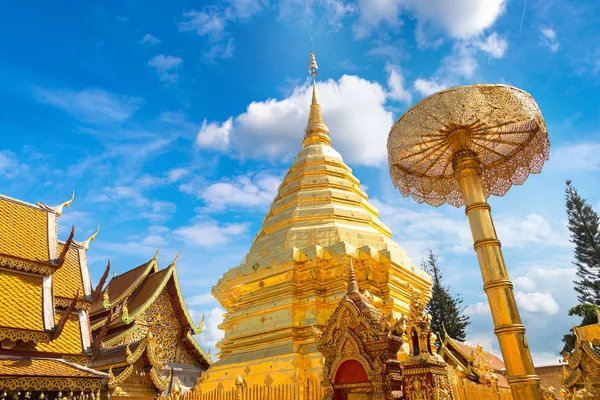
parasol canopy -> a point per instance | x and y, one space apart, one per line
502 125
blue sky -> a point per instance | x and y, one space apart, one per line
175 122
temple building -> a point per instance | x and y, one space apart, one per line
476 364
45 297
143 332
296 270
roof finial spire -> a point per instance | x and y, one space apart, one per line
352 284
316 130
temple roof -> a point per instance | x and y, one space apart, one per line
43 374
113 356
69 342
123 285
464 356
70 277
30 235
131 294
17 366
22 311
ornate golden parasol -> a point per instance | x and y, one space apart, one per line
501 124
459 146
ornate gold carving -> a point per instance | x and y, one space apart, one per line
27 266
80 305
26 336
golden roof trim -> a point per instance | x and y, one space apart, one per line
200 350
86 243
125 317
195 329
25 335
149 266
57 210
114 340
21 264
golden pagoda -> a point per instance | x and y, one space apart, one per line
296 270
45 296
143 334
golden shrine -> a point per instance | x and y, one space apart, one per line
45 297
145 333
297 269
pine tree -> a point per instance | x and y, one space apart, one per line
584 224
585 235
446 311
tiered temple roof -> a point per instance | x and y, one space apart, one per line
45 295
146 332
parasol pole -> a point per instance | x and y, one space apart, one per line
508 327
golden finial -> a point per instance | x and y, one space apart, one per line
156 254
239 381
201 324
58 210
316 130
174 262
86 243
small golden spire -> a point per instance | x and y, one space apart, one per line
316 130
156 254
174 262
352 284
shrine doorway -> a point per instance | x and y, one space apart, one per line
351 382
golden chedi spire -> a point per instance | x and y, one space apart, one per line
295 270
316 130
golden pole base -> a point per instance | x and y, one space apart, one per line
525 385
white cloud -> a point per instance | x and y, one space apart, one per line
150 39
477 309
311 12
428 87
201 299
353 109
537 302
151 209
219 51
176 174
575 157
549 39
494 45
164 65
90 105
243 191
396 84
209 233
519 232
214 135
463 62
460 19
211 333
10 166
211 21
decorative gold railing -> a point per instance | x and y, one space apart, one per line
312 390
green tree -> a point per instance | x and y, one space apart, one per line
583 224
585 235
589 313
446 310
